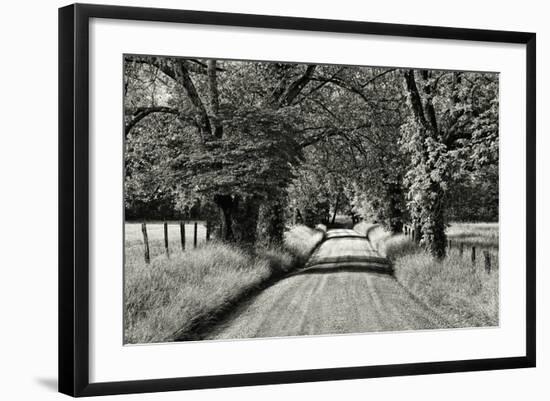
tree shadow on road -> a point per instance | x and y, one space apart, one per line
372 269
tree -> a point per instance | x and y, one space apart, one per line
445 122
244 142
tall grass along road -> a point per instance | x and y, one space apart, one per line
175 298
456 287
343 289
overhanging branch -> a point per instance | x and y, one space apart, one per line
141 112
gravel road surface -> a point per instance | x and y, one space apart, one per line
345 288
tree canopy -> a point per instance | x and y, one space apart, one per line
253 146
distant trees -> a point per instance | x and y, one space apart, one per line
364 108
474 197
321 188
257 144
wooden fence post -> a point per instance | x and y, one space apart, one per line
487 257
182 235
166 239
145 243
207 230
473 255
461 249
195 236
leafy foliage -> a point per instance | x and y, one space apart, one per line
449 135
252 145
254 158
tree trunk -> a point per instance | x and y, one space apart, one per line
335 208
310 217
245 220
239 218
183 77
299 218
417 232
395 208
429 211
271 222
225 203
214 98
433 228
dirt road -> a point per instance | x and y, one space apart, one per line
345 288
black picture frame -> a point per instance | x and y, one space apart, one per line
74 198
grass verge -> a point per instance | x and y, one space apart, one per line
462 292
174 297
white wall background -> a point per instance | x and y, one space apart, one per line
28 179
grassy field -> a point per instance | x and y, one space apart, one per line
170 297
482 234
465 294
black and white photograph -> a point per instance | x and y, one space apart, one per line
275 201
270 199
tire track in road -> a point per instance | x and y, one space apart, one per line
295 324
287 312
254 312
